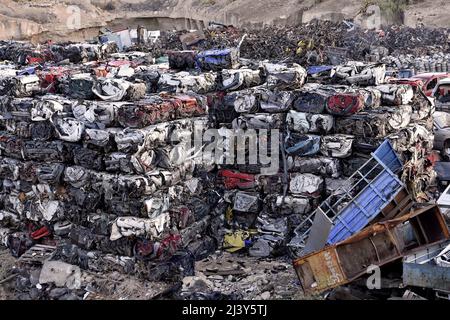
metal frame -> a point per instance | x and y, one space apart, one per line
376 166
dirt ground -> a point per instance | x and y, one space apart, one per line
40 20
253 278
233 276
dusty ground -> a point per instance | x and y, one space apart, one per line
116 286
247 277
40 20
222 275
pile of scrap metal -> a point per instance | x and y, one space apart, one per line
108 161
316 42
335 132
103 171
23 53
429 268
419 238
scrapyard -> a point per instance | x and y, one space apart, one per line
281 163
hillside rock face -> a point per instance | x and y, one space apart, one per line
59 20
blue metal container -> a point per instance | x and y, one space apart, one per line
379 191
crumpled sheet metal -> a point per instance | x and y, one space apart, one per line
235 241
80 86
376 123
324 166
183 82
396 94
221 108
259 121
64 119
302 144
289 204
217 59
4 232
236 180
19 85
110 89
344 104
231 80
310 99
358 73
181 60
134 142
413 141
69 129
423 107
246 202
96 114
285 77
337 146
338 186
337 100
160 109
134 185
62 196
259 99
244 101
269 242
309 123
274 101
306 184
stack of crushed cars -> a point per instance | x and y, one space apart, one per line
354 155
106 162
99 172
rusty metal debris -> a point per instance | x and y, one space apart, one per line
322 42
376 245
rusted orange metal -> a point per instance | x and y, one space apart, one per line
377 244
